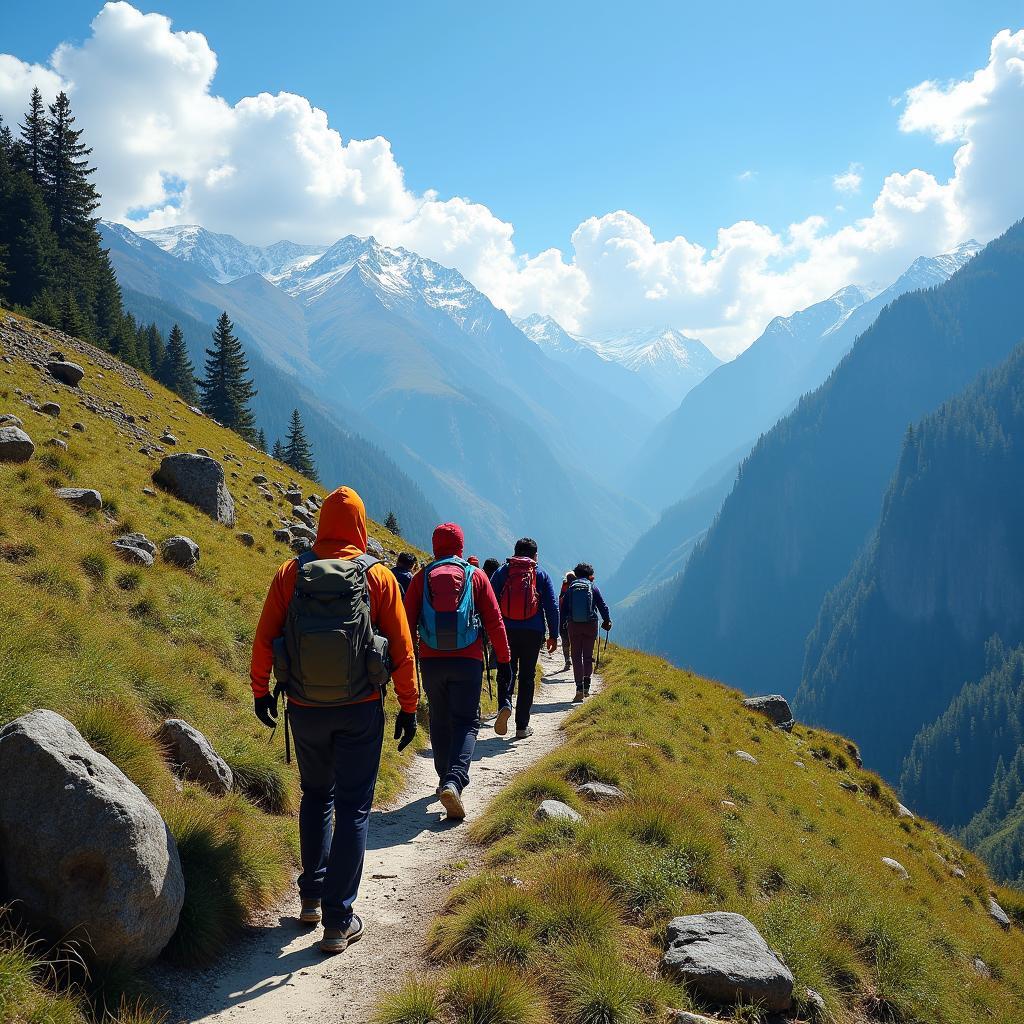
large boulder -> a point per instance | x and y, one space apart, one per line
85 853
80 497
775 707
15 445
194 757
199 481
724 959
181 551
67 373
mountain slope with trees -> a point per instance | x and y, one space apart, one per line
808 496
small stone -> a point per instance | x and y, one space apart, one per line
293 496
555 810
56 442
149 492
10 420
299 530
300 545
775 707
259 478
850 787
799 764
301 513
180 551
283 536
194 757
816 1004
744 756
601 793
130 552
981 968
168 438
50 409
67 373
998 914
15 445
247 539
895 865
904 812
204 451
79 426
728 805
959 872
80 497
139 540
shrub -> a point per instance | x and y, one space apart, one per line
493 995
417 1002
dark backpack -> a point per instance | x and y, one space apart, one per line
581 601
519 601
332 654
448 616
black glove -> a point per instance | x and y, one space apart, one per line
405 726
266 710
504 674
606 626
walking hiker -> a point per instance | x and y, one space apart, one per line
526 596
581 602
403 570
333 630
446 603
563 625
490 567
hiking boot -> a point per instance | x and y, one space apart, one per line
577 696
586 687
524 734
452 801
337 940
310 912
501 722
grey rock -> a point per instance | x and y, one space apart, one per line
100 865
180 551
300 545
149 492
775 707
896 866
199 481
555 810
724 959
50 409
139 540
301 513
303 531
56 442
294 496
904 812
79 426
10 420
601 793
958 872
374 547
67 373
168 438
194 758
15 445
283 536
247 539
259 478
981 968
816 1004
132 554
998 914
80 497
744 756
204 451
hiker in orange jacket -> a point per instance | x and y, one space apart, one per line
452 675
338 748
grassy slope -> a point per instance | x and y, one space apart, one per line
576 935
116 648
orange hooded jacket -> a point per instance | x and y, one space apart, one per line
341 533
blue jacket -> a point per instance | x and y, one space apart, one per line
404 578
548 603
599 606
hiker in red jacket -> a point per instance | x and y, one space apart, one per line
445 604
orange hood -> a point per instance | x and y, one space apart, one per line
342 520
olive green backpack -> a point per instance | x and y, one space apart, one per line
331 654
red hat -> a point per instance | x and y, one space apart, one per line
473 560
448 540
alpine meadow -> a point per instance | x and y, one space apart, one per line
511 515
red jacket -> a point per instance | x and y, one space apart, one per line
448 542
341 533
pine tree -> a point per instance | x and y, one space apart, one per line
142 349
391 523
177 371
72 198
297 451
226 388
34 137
261 440
278 451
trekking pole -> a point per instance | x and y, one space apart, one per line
598 664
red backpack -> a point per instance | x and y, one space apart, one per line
519 600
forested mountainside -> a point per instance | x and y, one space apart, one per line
809 494
943 573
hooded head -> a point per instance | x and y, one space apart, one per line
343 520
448 540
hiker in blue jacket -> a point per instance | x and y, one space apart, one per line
527 600
580 605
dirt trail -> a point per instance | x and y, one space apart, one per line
414 857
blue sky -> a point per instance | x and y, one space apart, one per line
666 152
551 112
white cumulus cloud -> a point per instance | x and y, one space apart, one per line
171 150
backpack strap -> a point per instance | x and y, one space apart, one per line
305 558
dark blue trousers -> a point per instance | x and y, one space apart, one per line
338 751
453 688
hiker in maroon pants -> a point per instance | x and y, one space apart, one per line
580 605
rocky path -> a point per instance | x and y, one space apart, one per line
275 974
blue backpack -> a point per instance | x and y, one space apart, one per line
448 616
581 601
